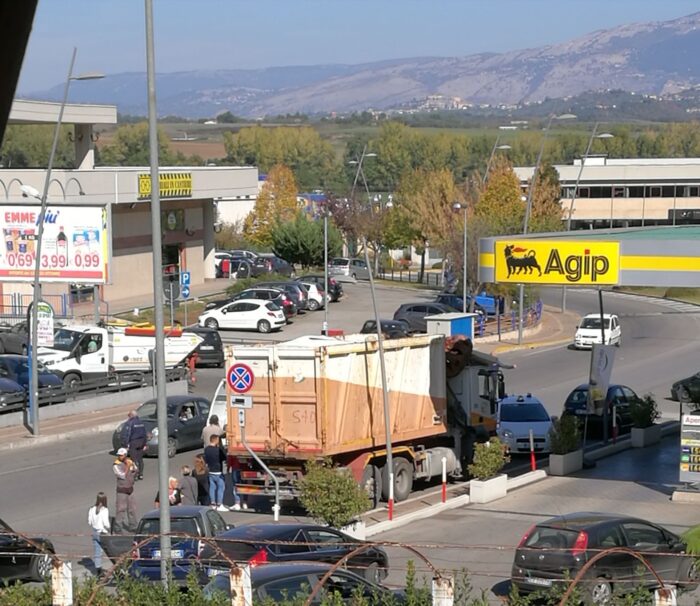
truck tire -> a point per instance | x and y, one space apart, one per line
403 480
71 380
372 483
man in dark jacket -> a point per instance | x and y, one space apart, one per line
134 438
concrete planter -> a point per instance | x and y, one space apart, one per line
645 436
563 465
485 491
356 530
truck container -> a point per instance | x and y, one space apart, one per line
321 397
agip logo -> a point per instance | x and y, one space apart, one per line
556 262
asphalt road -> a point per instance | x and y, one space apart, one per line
48 489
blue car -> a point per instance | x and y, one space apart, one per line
16 368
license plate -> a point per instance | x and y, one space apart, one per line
541 582
215 572
206 347
580 411
175 553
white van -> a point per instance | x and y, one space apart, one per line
588 332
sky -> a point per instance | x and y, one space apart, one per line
249 34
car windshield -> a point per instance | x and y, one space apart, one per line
578 396
65 340
177 526
544 537
148 410
594 323
523 413
272 306
340 262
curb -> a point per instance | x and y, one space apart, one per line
534 345
30 441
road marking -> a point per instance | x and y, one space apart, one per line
50 463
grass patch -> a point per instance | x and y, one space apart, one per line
194 309
689 295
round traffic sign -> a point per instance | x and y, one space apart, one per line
240 378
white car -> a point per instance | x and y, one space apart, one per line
588 332
256 314
317 298
517 415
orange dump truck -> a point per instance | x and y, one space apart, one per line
321 397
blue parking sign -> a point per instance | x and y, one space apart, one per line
184 278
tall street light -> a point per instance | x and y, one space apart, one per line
324 331
360 173
495 147
528 209
594 135
457 206
36 297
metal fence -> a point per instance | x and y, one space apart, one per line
13 306
429 278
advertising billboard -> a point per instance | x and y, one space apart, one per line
74 249
172 185
557 262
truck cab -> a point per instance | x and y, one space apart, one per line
78 353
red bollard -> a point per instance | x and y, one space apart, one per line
533 462
444 479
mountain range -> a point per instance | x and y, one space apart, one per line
656 58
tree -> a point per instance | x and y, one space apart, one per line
546 210
500 209
301 240
29 145
130 147
276 202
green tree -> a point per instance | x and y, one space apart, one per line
301 241
130 147
546 211
500 209
276 203
29 145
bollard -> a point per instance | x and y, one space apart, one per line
443 590
665 596
61 583
533 462
241 590
512 320
498 323
444 479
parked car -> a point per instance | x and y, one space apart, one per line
516 416
238 267
414 314
187 416
23 559
353 269
455 301
11 393
618 396
276 295
194 521
15 339
687 390
244 254
16 368
316 296
275 583
553 551
296 290
252 314
210 352
334 288
272 264
392 329
588 332
264 543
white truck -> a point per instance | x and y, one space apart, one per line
82 352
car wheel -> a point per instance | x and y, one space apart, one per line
691 575
211 323
600 593
264 326
41 567
71 380
372 484
172 447
373 573
313 305
354 277
683 395
403 480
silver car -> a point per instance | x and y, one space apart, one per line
352 269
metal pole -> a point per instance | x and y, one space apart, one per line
259 461
602 332
385 389
172 311
96 300
465 291
324 331
34 340
612 191
159 357
488 164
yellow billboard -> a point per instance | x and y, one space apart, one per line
172 185
557 262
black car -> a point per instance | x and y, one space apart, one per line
334 287
15 339
296 291
553 552
414 313
392 329
23 558
275 583
12 394
619 396
455 301
210 352
187 416
687 390
263 543
272 264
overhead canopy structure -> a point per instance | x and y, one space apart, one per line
645 256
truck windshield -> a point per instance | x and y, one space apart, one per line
65 340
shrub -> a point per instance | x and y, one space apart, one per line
565 435
644 412
331 495
489 458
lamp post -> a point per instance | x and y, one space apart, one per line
594 135
457 206
360 173
324 331
496 146
36 297
528 208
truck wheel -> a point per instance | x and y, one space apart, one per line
403 480
372 483
71 380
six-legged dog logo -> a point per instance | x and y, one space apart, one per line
522 264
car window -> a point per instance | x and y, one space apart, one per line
339 262
526 412
544 537
417 309
324 539
615 395
91 343
578 396
216 522
272 306
288 588
345 586
177 526
629 394
292 544
203 407
610 537
236 307
638 534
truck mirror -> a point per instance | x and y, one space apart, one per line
501 387
78 353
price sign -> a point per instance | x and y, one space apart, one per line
689 470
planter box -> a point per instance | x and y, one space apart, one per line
356 530
563 465
485 491
645 436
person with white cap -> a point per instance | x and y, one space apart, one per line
125 471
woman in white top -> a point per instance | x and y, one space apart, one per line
98 519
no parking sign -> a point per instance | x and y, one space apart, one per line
240 378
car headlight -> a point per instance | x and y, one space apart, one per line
154 432
506 434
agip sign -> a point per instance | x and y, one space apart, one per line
557 262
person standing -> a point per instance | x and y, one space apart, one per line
125 472
201 474
210 430
174 494
214 457
134 438
98 520
234 466
188 486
